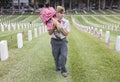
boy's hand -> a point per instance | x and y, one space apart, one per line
56 23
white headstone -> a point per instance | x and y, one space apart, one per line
29 35
30 25
14 26
9 28
118 43
19 40
45 28
39 30
107 38
3 50
35 32
103 26
100 34
91 29
2 27
95 31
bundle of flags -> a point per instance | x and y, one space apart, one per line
46 14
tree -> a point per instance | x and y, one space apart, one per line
12 7
63 3
111 3
19 6
70 5
99 5
88 4
34 5
103 4
118 4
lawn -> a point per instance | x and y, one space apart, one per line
89 60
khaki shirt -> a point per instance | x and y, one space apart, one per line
65 25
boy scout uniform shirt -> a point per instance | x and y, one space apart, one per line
65 25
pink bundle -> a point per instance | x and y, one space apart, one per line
46 14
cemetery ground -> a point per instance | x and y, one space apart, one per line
89 59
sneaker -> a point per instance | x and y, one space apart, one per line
64 74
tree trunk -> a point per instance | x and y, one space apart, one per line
34 5
103 4
118 4
63 3
78 1
12 7
70 5
88 4
99 5
55 4
111 4
19 6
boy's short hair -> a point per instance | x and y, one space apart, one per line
60 9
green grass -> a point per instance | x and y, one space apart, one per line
93 61
7 35
80 20
113 34
89 60
90 19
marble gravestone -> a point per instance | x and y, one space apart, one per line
35 32
20 40
107 37
118 43
3 50
29 35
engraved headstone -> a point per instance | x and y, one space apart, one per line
35 32
107 38
29 35
2 27
118 43
3 50
100 34
19 40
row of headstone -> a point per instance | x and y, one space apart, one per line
37 31
20 35
14 26
113 27
99 34
107 39
4 47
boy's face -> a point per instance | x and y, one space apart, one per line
60 15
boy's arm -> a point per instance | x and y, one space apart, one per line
64 31
60 28
51 31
